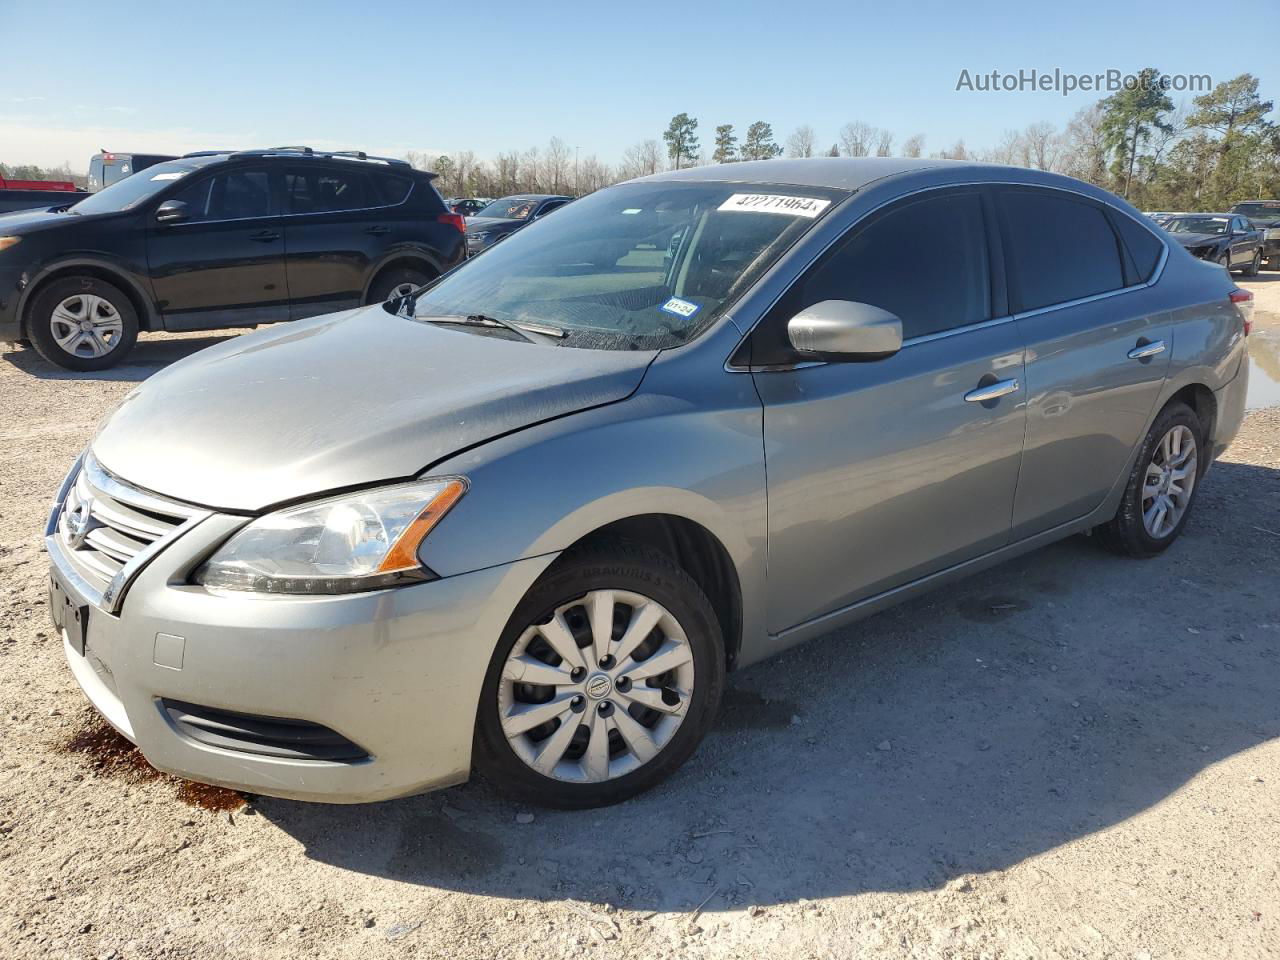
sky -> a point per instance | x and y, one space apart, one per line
389 76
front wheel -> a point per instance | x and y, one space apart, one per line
1224 261
1161 487
607 677
82 323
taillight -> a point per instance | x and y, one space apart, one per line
455 220
1243 300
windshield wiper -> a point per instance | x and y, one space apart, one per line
521 329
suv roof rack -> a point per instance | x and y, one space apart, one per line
300 151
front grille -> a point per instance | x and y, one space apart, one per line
264 736
107 529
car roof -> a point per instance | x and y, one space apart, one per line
842 173
533 196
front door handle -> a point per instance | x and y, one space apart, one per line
265 236
1144 350
377 231
992 391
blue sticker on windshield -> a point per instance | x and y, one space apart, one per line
680 308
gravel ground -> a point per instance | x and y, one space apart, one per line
1073 755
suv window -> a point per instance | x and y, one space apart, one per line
386 190
1143 246
925 261
325 191
231 195
1060 249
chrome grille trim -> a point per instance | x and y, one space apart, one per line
119 531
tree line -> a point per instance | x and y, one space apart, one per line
1216 151
1219 149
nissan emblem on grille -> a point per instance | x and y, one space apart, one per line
79 523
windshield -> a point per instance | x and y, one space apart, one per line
128 193
509 208
1270 210
1198 225
635 267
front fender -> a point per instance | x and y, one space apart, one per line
542 489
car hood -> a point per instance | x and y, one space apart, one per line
339 401
22 222
490 224
1197 239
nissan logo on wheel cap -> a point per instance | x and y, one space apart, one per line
599 687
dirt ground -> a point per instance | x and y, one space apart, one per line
1073 755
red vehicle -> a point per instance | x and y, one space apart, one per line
31 194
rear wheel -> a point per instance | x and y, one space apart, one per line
1255 264
82 323
604 682
397 282
1161 487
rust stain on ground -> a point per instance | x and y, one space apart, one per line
110 754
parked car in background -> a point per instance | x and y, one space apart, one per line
106 168
37 194
216 240
469 206
1225 238
1265 215
526 519
501 218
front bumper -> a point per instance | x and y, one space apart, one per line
397 671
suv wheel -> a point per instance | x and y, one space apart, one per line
82 323
604 682
397 282
1161 487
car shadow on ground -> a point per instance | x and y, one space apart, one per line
963 732
146 358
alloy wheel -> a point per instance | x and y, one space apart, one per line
597 690
86 325
1169 481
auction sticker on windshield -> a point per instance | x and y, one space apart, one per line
681 308
808 207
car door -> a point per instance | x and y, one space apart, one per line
1243 242
336 227
883 472
1096 353
223 264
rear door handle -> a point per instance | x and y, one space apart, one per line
1144 350
265 236
992 391
377 231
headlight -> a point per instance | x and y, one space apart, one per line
362 541
7 242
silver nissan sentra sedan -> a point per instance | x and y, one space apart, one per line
524 520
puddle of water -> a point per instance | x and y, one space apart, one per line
1264 369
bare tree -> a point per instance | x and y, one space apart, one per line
555 165
1085 151
914 145
884 143
1041 146
957 152
856 138
800 143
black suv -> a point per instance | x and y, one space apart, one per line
218 240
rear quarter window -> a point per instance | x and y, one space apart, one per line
1060 249
387 190
1143 246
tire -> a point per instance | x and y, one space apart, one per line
1273 263
1255 265
1131 531
1224 261
631 746
112 323
397 282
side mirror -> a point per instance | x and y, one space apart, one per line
172 211
845 331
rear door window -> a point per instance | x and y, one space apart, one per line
326 191
1059 248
